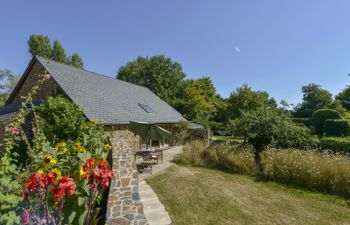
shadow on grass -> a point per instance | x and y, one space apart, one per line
305 192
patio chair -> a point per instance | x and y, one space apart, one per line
159 154
147 163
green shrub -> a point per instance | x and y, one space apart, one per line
339 128
180 133
335 144
62 119
320 116
305 121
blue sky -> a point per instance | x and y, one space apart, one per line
272 45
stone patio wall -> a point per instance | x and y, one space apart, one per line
124 204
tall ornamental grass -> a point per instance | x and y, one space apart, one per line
323 171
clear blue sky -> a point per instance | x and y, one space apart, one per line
272 45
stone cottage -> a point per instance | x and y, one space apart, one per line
115 103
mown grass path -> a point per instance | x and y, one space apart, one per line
200 196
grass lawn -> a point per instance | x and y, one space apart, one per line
202 196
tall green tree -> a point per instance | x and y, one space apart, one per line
199 98
344 97
160 74
314 98
58 53
245 99
40 45
8 81
264 127
75 60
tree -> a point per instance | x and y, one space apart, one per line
160 74
76 61
244 99
40 45
8 82
314 98
344 97
199 98
264 127
58 54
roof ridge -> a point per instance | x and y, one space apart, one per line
95 73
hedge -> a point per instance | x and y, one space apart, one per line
339 128
305 121
320 116
335 144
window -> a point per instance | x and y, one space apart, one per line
147 108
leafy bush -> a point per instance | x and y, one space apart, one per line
305 121
335 144
62 118
320 116
180 133
337 127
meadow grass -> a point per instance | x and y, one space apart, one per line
203 196
322 171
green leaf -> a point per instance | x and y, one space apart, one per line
81 201
81 219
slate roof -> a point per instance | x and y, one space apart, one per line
107 99
7 112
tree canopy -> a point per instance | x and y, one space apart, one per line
75 60
198 98
244 99
160 74
8 81
58 53
314 98
40 45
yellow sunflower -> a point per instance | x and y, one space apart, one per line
82 150
57 173
82 172
61 148
40 171
48 161
107 147
77 145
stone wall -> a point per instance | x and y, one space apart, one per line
124 205
49 87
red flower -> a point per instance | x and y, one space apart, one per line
103 177
50 178
66 187
58 194
15 131
36 180
68 184
103 164
90 162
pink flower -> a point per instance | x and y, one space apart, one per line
25 217
15 131
47 77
